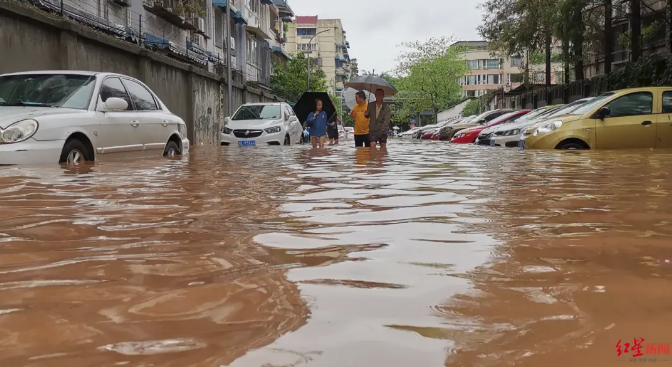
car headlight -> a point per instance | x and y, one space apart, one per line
226 130
547 128
18 131
273 130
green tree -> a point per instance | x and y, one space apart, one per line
427 77
289 81
472 108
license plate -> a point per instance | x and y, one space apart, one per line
247 143
521 144
492 142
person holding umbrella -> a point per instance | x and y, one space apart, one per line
379 114
379 127
317 122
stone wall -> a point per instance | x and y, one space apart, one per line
31 39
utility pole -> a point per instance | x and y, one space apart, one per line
229 82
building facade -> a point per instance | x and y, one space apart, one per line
193 31
325 41
488 73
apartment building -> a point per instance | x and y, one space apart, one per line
192 31
653 25
325 41
488 73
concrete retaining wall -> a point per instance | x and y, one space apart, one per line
35 40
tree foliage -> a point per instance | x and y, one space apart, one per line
426 77
289 80
472 108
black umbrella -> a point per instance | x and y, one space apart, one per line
306 104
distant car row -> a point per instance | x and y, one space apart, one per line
629 118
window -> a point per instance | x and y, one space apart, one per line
667 102
112 87
640 103
472 64
471 79
141 97
517 78
493 64
492 79
252 51
517 61
306 31
539 78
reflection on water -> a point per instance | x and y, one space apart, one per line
427 255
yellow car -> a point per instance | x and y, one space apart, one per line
628 118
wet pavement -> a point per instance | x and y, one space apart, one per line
430 255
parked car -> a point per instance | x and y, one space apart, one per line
427 134
445 130
561 112
511 137
272 123
629 118
74 117
468 136
484 136
420 131
480 120
509 134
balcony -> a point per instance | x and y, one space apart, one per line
172 11
283 7
125 3
340 72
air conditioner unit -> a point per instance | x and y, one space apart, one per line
199 23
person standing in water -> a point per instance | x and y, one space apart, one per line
359 114
332 129
317 122
380 114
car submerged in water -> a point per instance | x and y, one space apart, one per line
72 117
256 124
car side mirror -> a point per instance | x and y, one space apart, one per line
226 120
115 104
603 112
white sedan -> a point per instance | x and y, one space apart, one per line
262 124
77 116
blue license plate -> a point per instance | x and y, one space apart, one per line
247 143
492 142
521 144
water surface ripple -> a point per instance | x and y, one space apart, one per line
429 255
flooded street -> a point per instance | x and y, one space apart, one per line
431 255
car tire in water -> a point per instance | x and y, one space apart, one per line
288 141
171 150
74 153
571 145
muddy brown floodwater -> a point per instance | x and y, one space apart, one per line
431 255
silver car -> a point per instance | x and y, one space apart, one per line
76 116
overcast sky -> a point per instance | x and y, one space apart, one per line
375 28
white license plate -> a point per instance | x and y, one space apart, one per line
247 143
492 142
521 144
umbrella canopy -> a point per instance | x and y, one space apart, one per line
396 128
306 105
349 96
371 83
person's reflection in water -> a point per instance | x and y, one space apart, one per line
367 158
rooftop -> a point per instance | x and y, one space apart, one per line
311 19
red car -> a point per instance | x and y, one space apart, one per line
468 136
428 134
436 135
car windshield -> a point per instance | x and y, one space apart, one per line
501 118
47 90
569 108
257 112
583 109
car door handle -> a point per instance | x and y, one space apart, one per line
645 123
135 123
164 123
